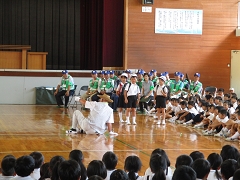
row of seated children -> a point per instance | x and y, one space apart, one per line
187 167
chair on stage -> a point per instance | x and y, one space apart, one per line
72 95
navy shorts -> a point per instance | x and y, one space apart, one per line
132 102
121 103
160 102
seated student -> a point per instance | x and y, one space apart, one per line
184 173
178 109
119 175
234 101
220 93
96 167
218 101
44 171
230 110
215 161
95 177
187 117
226 97
7 166
216 122
132 166
229 152
53 167
183 160
69 169
223 119
235 132
236 175
110 160
202 168
24 167
77 155
164 154
39 160
228 168
196 155
176 86
207 117
158 166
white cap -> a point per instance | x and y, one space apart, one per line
124 74
133 75
231 89
163 78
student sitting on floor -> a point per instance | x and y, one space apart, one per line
188 116
184 173
230 110
199 117
183 160
202 168
132 166
234 101
24 167
223 120
196 155
228 168
207 117
110 160
69 169
235 136
177 109
39 160
215 161
214 124
7 166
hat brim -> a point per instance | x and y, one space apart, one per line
106 98
161 79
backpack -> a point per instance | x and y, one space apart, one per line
168 88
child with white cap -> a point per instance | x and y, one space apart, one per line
160 95
131 98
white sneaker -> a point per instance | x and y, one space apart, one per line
121 121
185 124
128 122
181 122
134 123
71 131
113 133
158 123
208 133
163 122
231 139
155 117
220 134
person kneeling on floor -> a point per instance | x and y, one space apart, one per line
99 119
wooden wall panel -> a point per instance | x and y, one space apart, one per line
10 60
207 54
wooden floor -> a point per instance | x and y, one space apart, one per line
27 128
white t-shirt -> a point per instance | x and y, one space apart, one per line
193 111
100 114
235 105
211 116
149 173
109 174
231 110
212 175
224 120
177 109
133 90
35 174
168 105
158 89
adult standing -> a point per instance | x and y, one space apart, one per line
64 88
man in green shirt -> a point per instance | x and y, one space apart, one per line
196 86
92 87
67 89
176 85
140 78
154 77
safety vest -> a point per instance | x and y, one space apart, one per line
93 84
65 83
